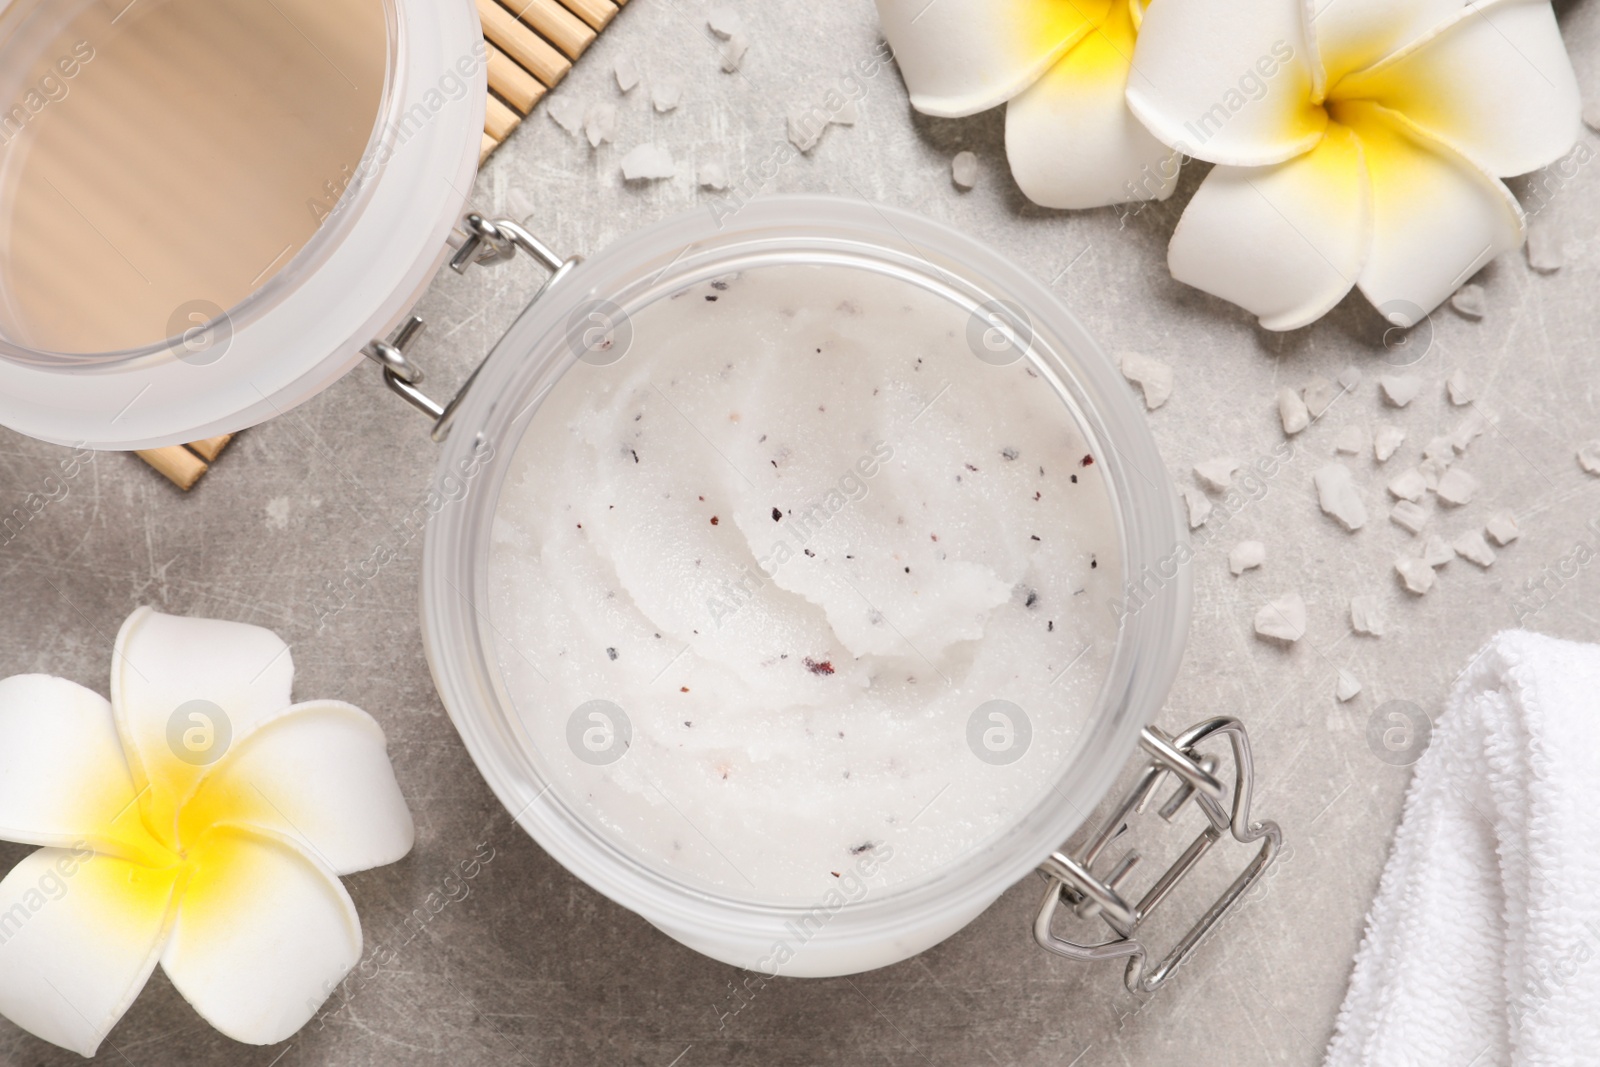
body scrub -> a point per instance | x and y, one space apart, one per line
799 580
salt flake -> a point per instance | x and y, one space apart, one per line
1292 410
627 73
1352 441
666 94
1339 497
1283 619
1216 474
1246 556
1346 687
1411 516
648 162
566 111
964 170
1408 485
600 124
1472 547
1502 527
1400 389
1199 506
1366 616
1469 302
713 176
733 50
1459 388
1440 450
806 126
1152 376
724 21
1416 574
1319 395
1435 553
1350 377
1457 487
1589 457
1386 442
1545 254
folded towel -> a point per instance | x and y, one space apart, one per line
1483 946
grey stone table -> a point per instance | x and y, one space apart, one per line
524 964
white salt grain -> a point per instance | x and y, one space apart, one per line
733 50
1216 474
1350 377
1246 556
1408 485
1386 442
805 127
964 170
1339 497
1435 553
666 94
1457 487
1469 302
1440 450
1502 527
1282 620
1199 506
1545 254
627 73
1431 470
1346 687
1409 515
1472 547
1416 574
1352 441
1366 616
648 162
600 124
1460 390
846 114
724 21
713 176
1152 376
1400 389
1319 395
1292 410
566 111
1589 457
1468 431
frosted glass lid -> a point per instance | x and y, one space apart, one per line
161 161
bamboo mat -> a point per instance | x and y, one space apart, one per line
532 45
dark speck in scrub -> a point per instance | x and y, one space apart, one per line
1086 461
1093 563
634 454
971 468
857 850
908 570
611 652
1074 479
715 520
683 689
711 296
1009 453
810 553
686 722
1050 627
719 285
1038 496
1033 598
821 668
777 516
1033 537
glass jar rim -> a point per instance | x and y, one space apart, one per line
460 639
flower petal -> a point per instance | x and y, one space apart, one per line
1493 82
1226 81
318 774
181 689
1349 35
1285 242
63 778
263 935
1071 139
959 57
1436 216
79 936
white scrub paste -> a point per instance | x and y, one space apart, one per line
799 534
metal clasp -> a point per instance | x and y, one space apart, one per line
486 242
1072 879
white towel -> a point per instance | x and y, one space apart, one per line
1483 946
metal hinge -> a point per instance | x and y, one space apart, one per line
1071 877
485 242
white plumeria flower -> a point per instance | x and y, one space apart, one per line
1359 142
197 819
1062 65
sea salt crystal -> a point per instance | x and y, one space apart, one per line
1440 450
1350 377
1416 574
1339 497
1431 470
666 94
1245 556
1457 487
1469 302
1502 528
600 124
964 170
733 50
847 113
627 73
1409 515
1319 395
1283 619
1468 430
1366 616
1545 254
566 111
713 176
805 131
1216 474
1352 441
1408 485
1386 442
724 21
1292 410
1589 457
1199 506
648 162
1460 390
1435 553
1152 376
1400 389
1346 687
1471 546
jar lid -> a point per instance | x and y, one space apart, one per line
208 207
